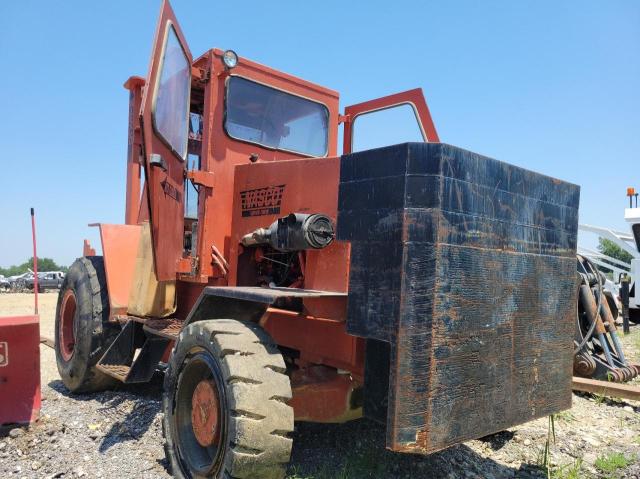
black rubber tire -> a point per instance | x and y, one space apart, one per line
253 390
92 330
634 315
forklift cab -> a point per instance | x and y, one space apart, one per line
192 121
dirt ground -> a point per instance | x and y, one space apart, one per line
16 304
118 434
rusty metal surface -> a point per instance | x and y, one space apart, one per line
164 187
606 388
87 250
249 302
308 185
267 295
119 249
599 353
319 341
204 413
166 328
118 371
67 327
466 266
135 86
321 394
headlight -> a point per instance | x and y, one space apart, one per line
230 59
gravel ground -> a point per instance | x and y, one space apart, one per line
118 434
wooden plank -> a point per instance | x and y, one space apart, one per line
606 388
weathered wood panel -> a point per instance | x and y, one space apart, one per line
466 266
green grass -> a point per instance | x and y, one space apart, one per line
357 465
544 455
599 398
565 416
296 475
612 462
568 471
636 341
362 465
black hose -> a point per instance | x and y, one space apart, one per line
592 328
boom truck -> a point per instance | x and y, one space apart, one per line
419 285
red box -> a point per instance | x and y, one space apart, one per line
19 369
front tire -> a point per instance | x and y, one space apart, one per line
82 327
225 403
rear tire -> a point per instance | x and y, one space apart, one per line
82 328
250 436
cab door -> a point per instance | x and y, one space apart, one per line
413 98
164 120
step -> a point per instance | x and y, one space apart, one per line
118 371
165 328
150 339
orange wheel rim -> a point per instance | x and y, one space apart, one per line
204 413
66 333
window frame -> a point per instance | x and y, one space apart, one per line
268 147
156 88
389 107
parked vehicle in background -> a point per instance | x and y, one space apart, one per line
46 280
18 282
5 285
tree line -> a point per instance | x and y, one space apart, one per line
44 264
611 249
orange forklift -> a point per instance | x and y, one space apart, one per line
420 285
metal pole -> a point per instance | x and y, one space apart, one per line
624 299
35 261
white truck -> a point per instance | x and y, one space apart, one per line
629 242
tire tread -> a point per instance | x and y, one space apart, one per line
258 444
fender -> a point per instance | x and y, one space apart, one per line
131 281
247 302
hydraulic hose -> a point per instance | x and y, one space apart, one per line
592 328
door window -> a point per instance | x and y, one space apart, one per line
397 124
171 107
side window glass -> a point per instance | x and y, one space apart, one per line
190 191
193 163
171 107
390 126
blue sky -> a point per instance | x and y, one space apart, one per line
551 86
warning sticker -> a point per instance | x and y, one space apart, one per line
4 354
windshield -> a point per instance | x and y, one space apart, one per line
274 118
